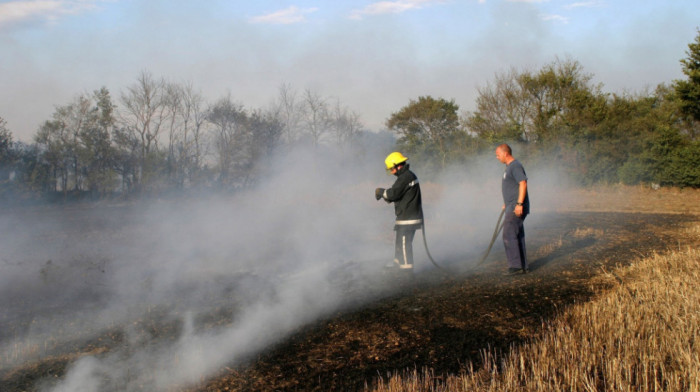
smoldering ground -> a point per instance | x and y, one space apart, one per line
308 240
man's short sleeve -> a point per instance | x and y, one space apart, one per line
519 173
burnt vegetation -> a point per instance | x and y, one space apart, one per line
442 324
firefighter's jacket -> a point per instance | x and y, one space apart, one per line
405 194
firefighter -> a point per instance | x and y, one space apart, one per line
406 196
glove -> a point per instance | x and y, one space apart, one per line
378 193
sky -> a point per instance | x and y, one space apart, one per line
371 56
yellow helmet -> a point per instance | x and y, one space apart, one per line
394 159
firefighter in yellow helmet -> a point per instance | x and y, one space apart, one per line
406 196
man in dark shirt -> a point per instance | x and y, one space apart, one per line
406 196
516 204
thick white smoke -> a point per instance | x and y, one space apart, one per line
305 241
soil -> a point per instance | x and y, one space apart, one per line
441 319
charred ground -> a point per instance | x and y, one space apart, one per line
444 322
441 320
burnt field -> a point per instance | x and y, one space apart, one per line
100 314
445 322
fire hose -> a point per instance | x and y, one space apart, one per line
497 230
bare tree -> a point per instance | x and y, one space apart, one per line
184 118
144 113
291 112
172 101
315 115
194 114
345 125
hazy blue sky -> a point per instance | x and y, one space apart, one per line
374 56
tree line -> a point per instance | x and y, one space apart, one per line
162 137
556 115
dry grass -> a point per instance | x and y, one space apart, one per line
586 232
694 230
578 234
621 198
641 335
548 248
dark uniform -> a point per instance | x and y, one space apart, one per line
406 196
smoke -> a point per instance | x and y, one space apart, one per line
272 258
187 287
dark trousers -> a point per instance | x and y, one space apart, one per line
403 251
514 241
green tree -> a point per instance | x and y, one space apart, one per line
5 144
549 107
231 140
7 158
53 141
688 91
426 127
96 151
667 158
561 93
127 158
502 110
266 130
32 174
76 143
